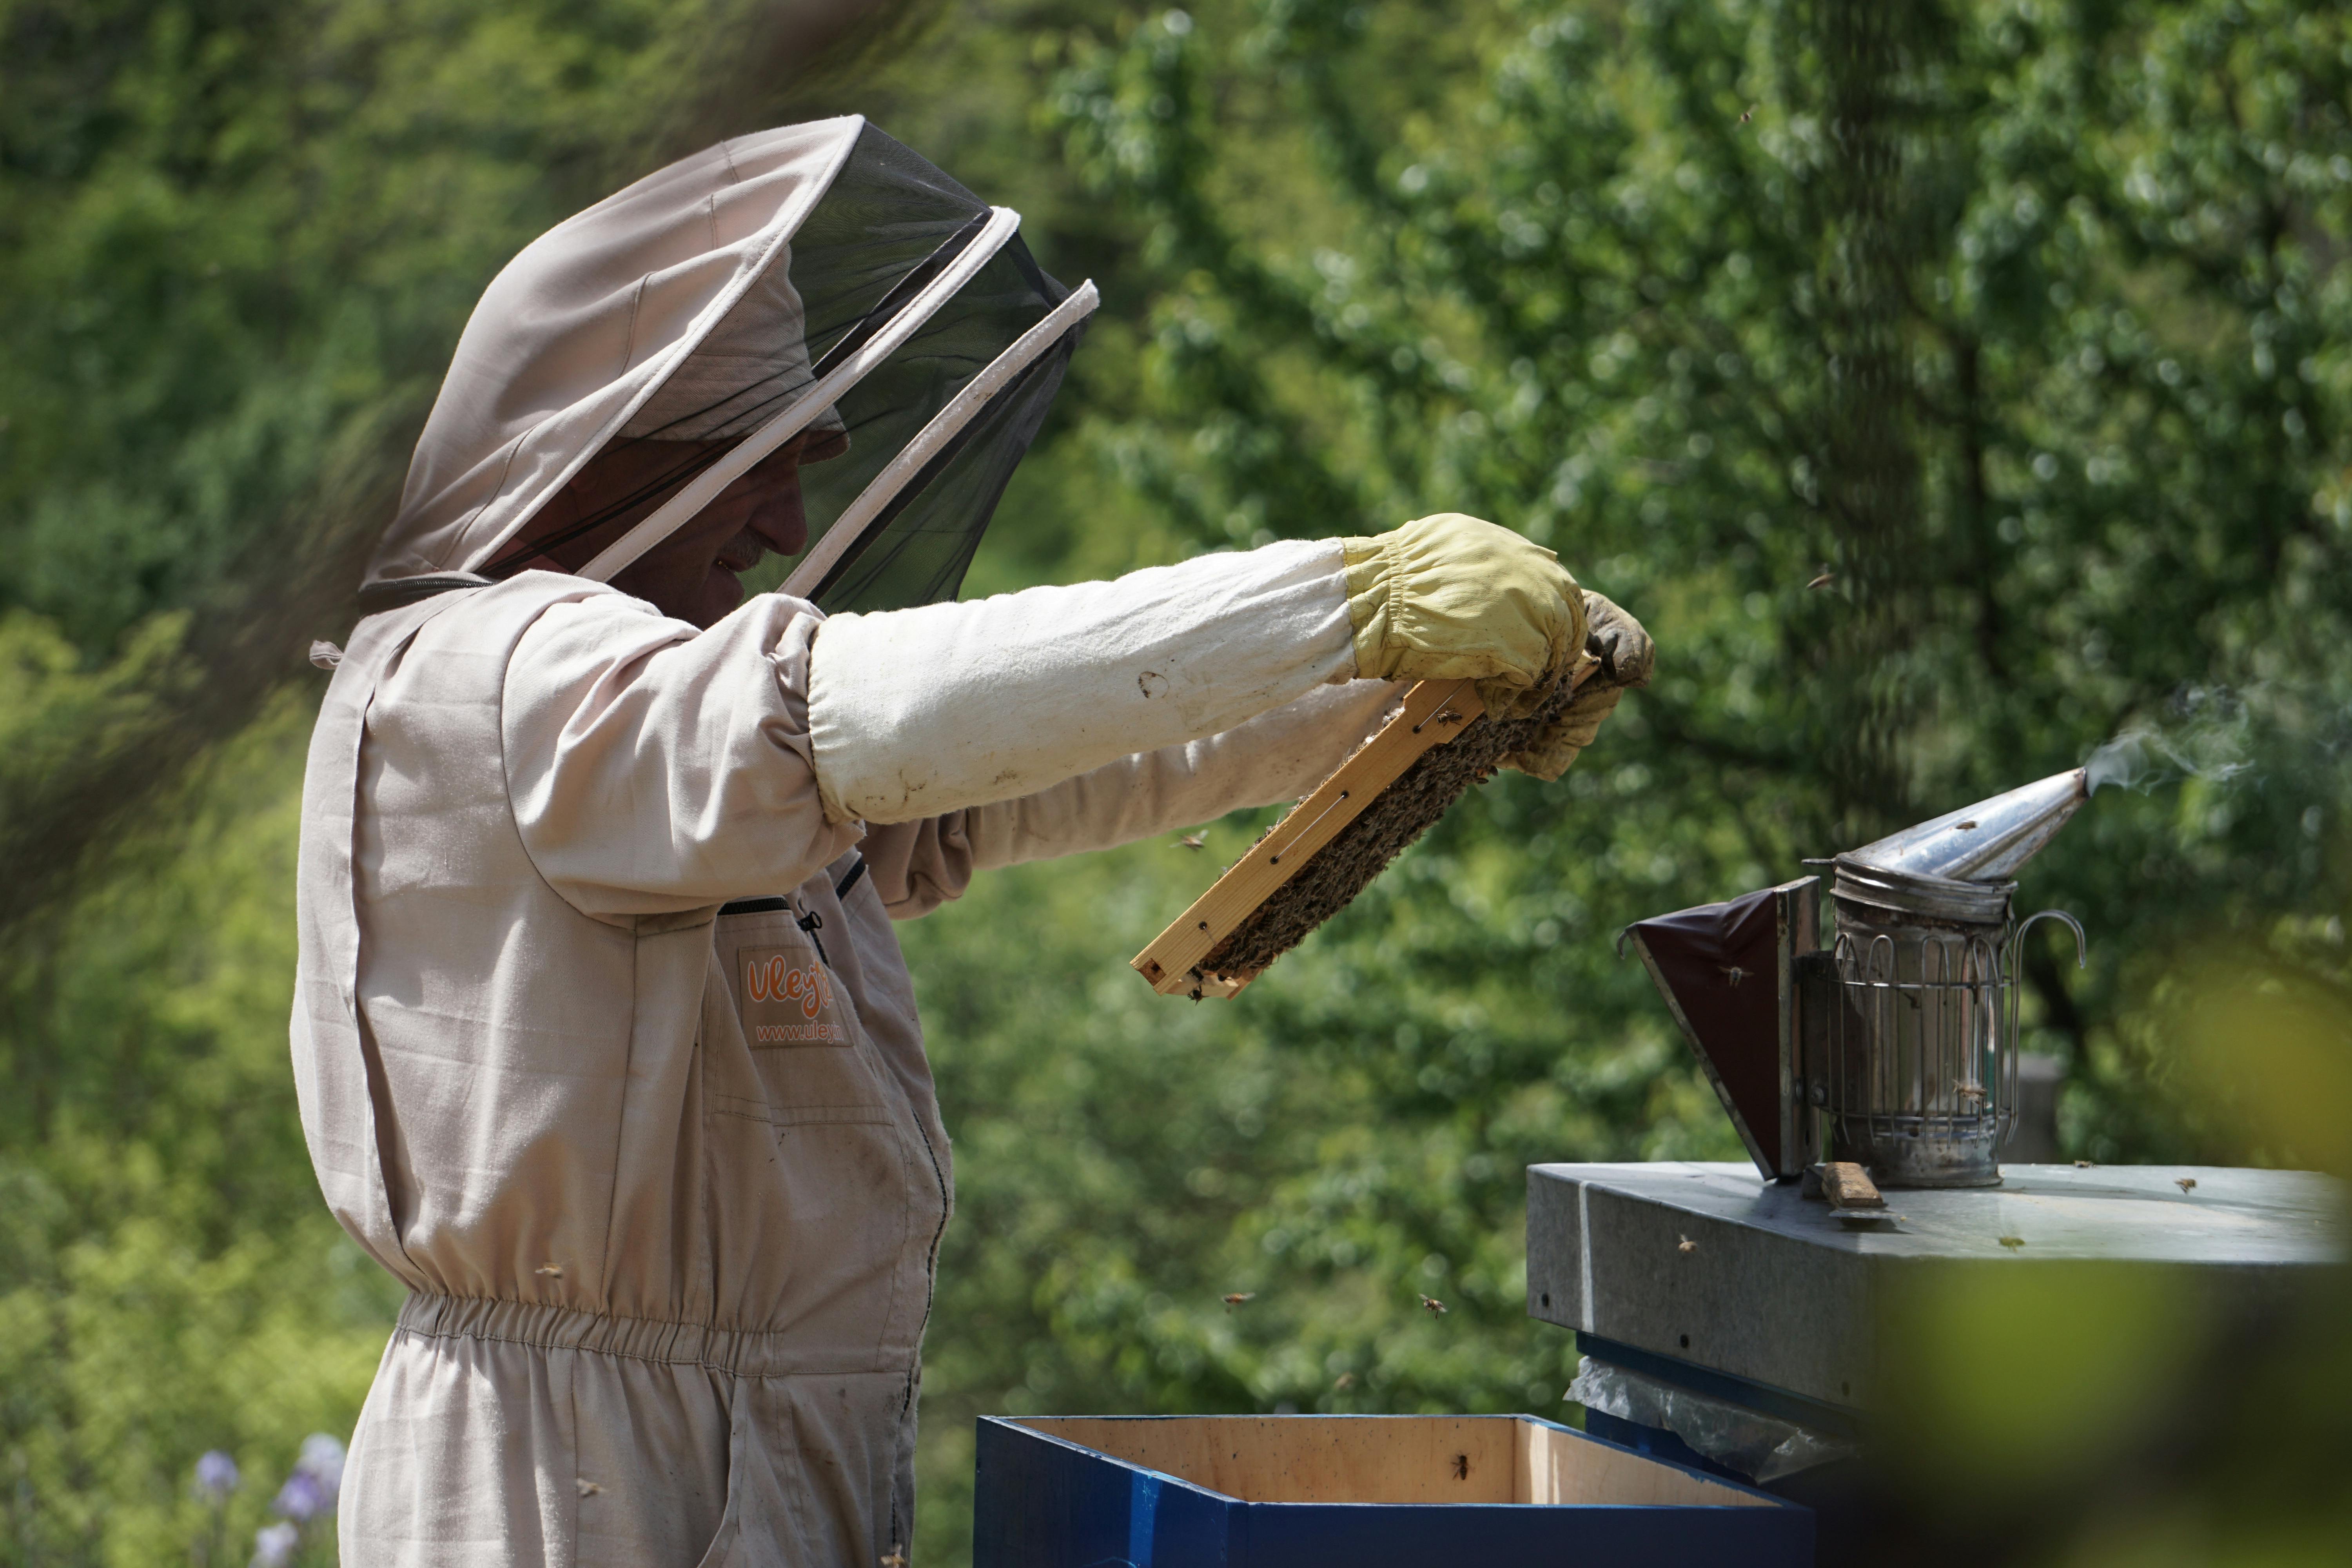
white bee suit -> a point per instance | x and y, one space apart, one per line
667 1184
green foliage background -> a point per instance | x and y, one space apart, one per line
2025 323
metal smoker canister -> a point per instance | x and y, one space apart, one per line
1916 1063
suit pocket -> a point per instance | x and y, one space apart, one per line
814 1158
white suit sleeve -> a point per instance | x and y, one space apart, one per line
916 714
1278 757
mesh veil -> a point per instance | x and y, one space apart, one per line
887 223
921 546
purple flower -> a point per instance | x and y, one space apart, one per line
301 1499
274 1544
323 1462
215 1475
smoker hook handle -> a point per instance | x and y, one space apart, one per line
2082 942
2016 994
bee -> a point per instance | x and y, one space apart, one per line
1967 1090
1345 1381
587 1488
1195 841
2012 1242
1824 581
1238 1297
2186 1184
1461 1466
1750 114
1432 1305
2082 1164
897 1559
1450 716
1685 1245
1733 972
553 1270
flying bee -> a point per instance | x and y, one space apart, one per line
2012 1242
553 1270
1967 1090
1685 1245
1750 114
1195 841
1733 972
2186 1184
587 1488
1824 581
1431 1305
1345 1381
897 1559
2082 1164
1238 1298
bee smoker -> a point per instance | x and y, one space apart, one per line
1894 1047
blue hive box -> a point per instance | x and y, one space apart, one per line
1258 1491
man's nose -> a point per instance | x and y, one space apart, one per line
780 521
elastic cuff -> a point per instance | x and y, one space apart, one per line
1371 577
826 733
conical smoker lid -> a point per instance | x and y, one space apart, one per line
1985 842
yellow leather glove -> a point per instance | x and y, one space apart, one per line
1617 640
1451 598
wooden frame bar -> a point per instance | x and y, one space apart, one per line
1434 711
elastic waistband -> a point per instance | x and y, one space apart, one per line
747 1352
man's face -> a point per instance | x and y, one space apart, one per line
694 574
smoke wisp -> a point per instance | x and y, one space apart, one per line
2205 734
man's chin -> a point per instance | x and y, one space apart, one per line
722 594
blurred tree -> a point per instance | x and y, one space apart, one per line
1951 387
2023 321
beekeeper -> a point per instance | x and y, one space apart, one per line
603 1039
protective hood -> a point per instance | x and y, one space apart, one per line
815 283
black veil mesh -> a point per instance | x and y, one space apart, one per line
920 547
888 223
929 532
